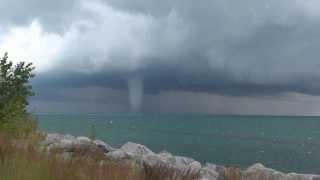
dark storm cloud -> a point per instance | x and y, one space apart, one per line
220 46
53 14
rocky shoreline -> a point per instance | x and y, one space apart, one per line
143 157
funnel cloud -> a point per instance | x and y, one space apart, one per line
135 85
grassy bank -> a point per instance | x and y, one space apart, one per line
22 159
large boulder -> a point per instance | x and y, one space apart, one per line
55 138
167 160
103 146
135 149
140 153
178 161
118 155
55 141
258 171
153 160
210 172
68 143
131 151
84 140
184 161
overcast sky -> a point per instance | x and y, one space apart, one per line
168 56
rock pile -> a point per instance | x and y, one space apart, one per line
141 154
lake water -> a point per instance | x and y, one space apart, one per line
284 143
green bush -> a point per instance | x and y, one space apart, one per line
15 90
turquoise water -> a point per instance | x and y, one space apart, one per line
284 143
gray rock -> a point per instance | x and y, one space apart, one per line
52 139
167 160
103 146
84 140
68 143
69 137
209 172
130 150
178 161
58 141
65 145
153 160
183 161
118 155
134 149
194 167
258 171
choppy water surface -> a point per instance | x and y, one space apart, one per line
284 143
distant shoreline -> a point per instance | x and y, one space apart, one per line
175 114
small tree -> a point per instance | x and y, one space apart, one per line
14 92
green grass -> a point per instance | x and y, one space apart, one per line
21 159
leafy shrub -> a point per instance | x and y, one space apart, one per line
14 92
